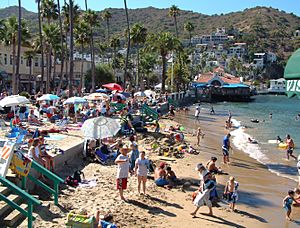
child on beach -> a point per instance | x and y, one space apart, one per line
171 176
287 203
230 192
141 170
122 171
199 136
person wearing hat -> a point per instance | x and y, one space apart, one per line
203 194
225 148
122 171
160 175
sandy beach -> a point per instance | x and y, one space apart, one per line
260 192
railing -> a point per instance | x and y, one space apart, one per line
173 102
45 172
149 112
30 200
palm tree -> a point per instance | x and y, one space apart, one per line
163 43
62 48
107 16
71 48
81 39
174 11
29 55
114 44
51 40
41 43
147 64
128 43
91 18
138 37
189 27
10 38
50 12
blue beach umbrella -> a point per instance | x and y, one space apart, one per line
101 90
48 97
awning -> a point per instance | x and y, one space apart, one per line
292 75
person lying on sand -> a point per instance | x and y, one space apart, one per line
160 175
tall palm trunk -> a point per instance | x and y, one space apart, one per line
42 47
16 89
47 67
71 49
190 36
67 57
163 76
62 60
138 66
128 43
14 81
81 70
176 29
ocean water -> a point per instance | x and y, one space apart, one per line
283 122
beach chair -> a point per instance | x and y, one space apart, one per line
101 157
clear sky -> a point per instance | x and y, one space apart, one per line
202 6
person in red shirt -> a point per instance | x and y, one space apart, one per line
16 121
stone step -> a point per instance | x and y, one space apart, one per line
4 191
5 209
15 217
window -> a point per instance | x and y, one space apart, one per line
10 60
5 59
36 61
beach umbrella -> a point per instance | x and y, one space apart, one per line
100 127
14 100
292 75
140 94
97 96
113 86
75 100
48 97
158 86
101 90
150 92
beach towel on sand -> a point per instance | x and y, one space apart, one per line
87 183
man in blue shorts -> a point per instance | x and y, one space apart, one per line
225 148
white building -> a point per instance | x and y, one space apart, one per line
277 86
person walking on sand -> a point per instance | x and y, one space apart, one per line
122 170
290 147
225 148
141 170
203 193
197 112
230 192
287 203
199 136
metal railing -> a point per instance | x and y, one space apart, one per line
29 199
45 172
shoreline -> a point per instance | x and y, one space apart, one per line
261 191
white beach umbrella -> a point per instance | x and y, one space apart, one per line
140 94
14 100
48 97
97 97
150 92
75 100
100 127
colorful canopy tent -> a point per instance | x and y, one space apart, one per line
292 75
113 86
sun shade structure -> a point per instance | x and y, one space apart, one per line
13 100
113 86
100 128
48 97
292 75
75 100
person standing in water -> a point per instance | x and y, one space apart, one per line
290 147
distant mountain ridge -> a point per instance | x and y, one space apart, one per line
156 20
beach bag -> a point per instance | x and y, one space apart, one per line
71 181
80 221
77 176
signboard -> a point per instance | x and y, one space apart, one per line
292 75
293 88
6 154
